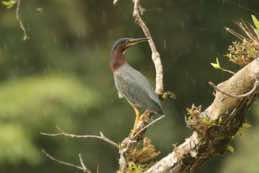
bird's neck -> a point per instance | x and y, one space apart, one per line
117 60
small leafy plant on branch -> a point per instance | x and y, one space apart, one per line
246 49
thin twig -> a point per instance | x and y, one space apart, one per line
256 83
137 11
82 167
100 137
147 126
18 18
86 170
228 71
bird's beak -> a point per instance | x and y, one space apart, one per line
134 41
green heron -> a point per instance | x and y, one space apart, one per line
130 83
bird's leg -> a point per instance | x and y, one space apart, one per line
146 116
137 118
141 121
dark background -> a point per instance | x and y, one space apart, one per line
61 77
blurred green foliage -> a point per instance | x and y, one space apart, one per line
61 77
43 95
35 103
9 3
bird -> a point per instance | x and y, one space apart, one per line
130 83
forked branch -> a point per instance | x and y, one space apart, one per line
82 167
99 137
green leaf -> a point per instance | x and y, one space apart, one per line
255 21
230 148
246 125
257 32
216 65
9 3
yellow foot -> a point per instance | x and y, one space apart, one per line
137 117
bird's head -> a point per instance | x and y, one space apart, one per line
123 43
119 48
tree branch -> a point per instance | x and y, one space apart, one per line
81 167
137 11
223 119
100 137
18 18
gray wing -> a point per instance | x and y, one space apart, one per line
132 85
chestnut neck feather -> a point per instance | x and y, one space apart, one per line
117 60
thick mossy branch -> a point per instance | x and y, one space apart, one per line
214 127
